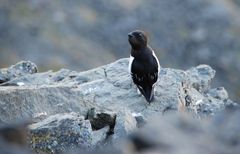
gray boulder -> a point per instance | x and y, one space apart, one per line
60 133
201 77
18 70
125 124
104 88
106 100
100 137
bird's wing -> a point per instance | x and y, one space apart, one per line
144 75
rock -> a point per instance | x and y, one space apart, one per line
100 136
100 120
140 119
2 77
218 93
183 134
20 69
201 32
60 133
58 102
28 80
125 124
174 134
106 88
201 77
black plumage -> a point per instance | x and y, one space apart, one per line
143 64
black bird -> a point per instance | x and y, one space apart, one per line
143 64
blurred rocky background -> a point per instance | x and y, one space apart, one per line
80 35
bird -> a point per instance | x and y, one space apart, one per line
144 65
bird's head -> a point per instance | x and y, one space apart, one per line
137 39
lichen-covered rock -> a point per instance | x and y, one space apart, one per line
60 133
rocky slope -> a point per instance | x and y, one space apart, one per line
70 110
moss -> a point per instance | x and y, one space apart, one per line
39 143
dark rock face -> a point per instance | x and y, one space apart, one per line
100 108
101 120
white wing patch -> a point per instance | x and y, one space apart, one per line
153 53
130 64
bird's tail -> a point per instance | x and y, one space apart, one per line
148 92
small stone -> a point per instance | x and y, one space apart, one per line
141 121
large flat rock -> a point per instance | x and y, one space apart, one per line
107 87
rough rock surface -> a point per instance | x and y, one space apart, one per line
106 100
105 88
60 133
20 69
125 124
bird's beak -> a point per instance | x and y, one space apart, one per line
130 35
